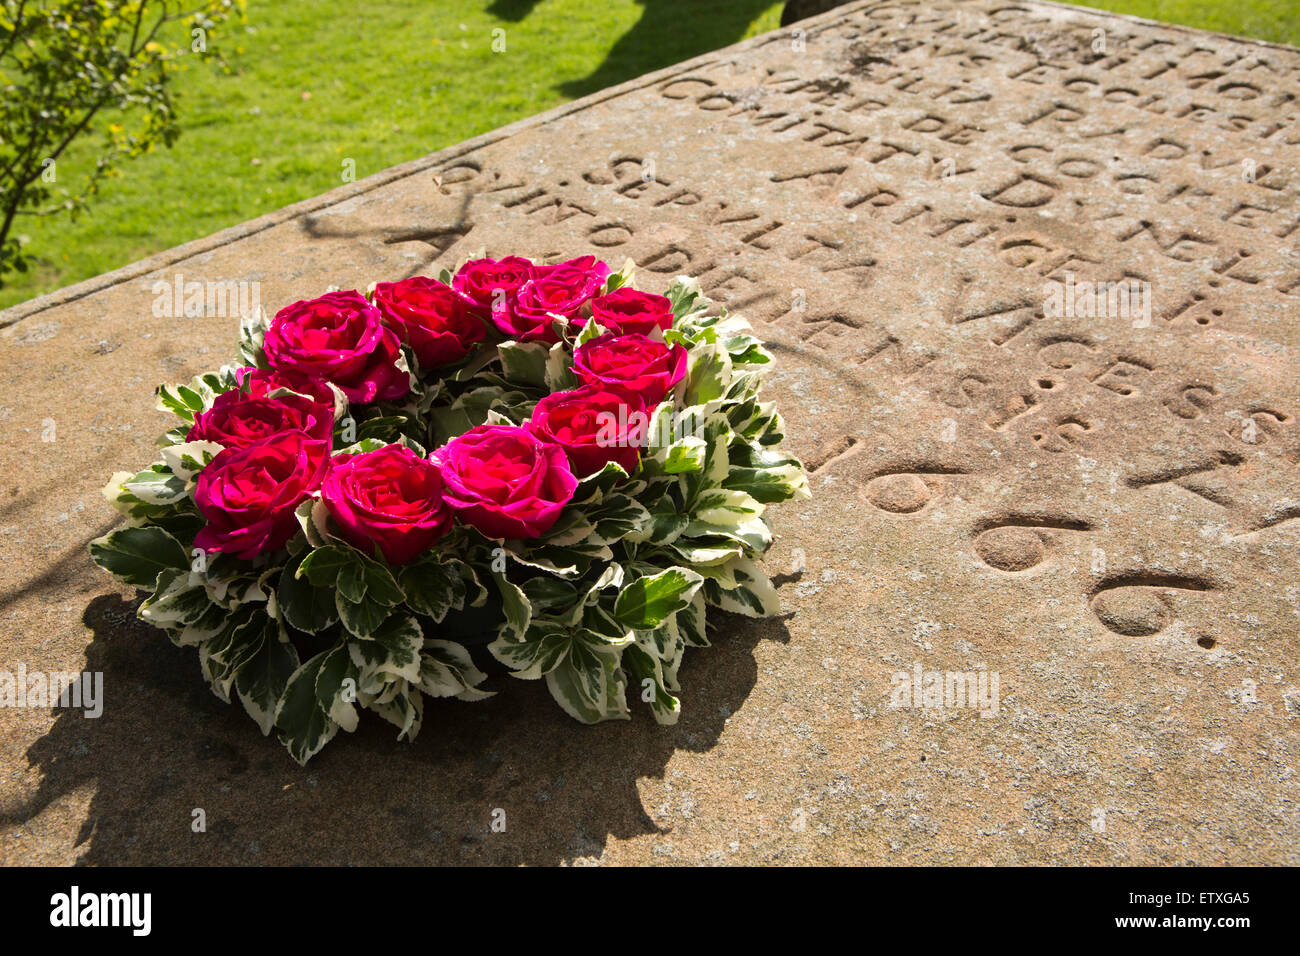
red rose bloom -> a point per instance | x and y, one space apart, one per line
259 383
431 318
489 286
248 495
582 264
339 338
237 419
390 499
594 425
627 310
632 362
562 290
504 481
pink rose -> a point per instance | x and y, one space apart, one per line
627 310
431 318
594 425
339 338
489 286
237 419
633 362
504 481
389 498
561 289
248 495
585 264
259 383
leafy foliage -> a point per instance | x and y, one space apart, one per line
66 65
606 600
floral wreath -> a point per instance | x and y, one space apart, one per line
599 472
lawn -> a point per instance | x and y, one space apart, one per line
320 82
1276 20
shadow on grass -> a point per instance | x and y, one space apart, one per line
512 10
165 748
668 32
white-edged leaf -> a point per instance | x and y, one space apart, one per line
645 602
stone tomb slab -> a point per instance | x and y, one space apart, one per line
931 211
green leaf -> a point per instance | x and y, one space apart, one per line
391 651
666 522
602 630
362 446
238 640
262 678
519 611
187 458
432 588
304 605
252 333
180 400
524 362
546 593
475 593
567 562
205 628
304 725
647 675
765 474
597 485
559 375
753 533
684 455
157 487
746 350
351 582
705 554
535 654
363 617
709 374
716 462
622 277
690 622
385 429
178 600
365 590
446 670
403 707
589 685
753 595
725 507
337 685
472 408
647 601
618 517
138 555
686 298
323 565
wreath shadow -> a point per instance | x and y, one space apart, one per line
166 755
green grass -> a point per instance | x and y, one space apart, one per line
1276 20
385 81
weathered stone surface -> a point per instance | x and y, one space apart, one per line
1100 510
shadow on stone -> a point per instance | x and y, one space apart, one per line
166 748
